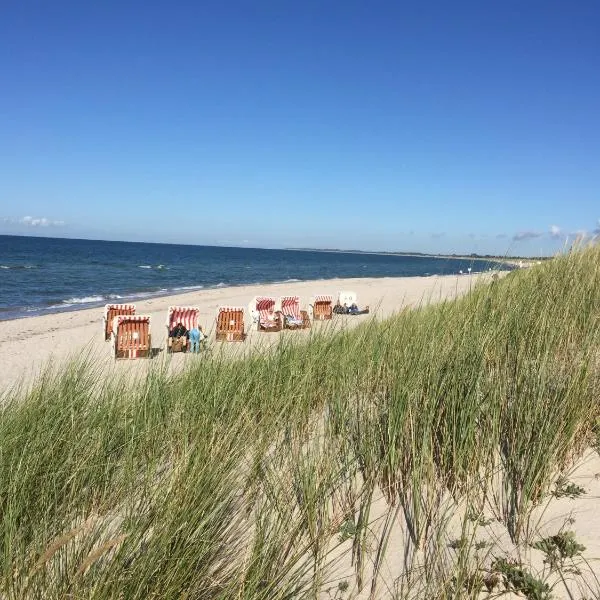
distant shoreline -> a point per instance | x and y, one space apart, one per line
511 260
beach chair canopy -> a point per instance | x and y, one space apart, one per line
347 298
290 306
231 309
323 299
123 308
186 315
266 311
111 311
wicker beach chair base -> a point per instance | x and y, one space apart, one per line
230 336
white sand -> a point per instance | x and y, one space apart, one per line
26 345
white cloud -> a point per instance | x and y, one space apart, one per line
555 231
39 222
526 235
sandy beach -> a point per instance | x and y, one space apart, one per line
27 345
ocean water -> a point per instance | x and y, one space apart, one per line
43 275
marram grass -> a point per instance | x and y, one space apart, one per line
242 479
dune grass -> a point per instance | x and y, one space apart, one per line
257 478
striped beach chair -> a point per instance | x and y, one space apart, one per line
131 336
293 317
230 324
188 317
268 318
113 310
322 307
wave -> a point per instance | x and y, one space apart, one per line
80 300
220 285
188 287
157 267
18 267
84 300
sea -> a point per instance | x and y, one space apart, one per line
47 275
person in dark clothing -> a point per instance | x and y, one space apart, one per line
178 331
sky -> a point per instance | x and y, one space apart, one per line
452 127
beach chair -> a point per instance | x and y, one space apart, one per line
293 317
131 336
252 312
188 317
322 308
230 324
113 310
268 318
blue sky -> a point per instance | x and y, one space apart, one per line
439 126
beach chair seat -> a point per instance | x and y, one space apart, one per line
230 324
188 317
110 312
322 308
268 318
293 317
131 336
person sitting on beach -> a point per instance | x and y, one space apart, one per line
354 310
196 337
178 331
292 320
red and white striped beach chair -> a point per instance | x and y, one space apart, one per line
268 318
293 317
230 324
188 317
111 311
131 336
322 307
